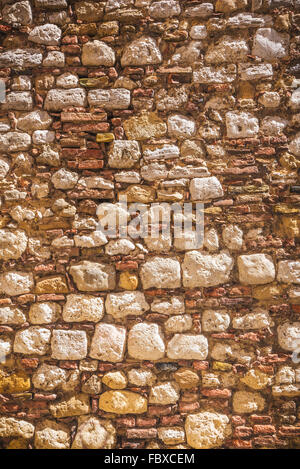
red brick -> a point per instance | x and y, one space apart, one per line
243 432
218 393
141 433
157 410
264 429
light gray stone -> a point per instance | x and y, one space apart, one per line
181 126
14 141
57 100
95 53
54 58
164 9
160 272
289 336
146 342
120 305
227 49
16 283
225 74
289 271
256 269
187 347
44 313
204 10
201 269
207 430
141 51
35 120
269 44
47 34
258 319
83 308
69 345
108 343
12 243
123 154
215 321
205 188
21 58
67 80
64 179
93 276
248 71
164 393
18 13
32 341
241 124
9 315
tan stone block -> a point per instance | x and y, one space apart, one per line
71 406
207 429
147 125
123 402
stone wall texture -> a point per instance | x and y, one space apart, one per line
110 342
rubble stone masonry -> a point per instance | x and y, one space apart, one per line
118 342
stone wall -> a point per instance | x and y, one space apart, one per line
143 343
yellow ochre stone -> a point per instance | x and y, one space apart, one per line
123 402
115 380
144 126
14 383
105 138
128 281
52 285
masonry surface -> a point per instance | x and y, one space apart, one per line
109 342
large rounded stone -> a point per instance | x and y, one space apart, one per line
206 270
11 427
146 342
93 276
187 347
207 430
126 303
248 402
83 308
289 336
95 53
18 13
51 377
12 244
161 272
123 402
35 120
32 341
16 283
69 345
94 433
142 51
269 44
48 34
256 269
52 435
108 343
